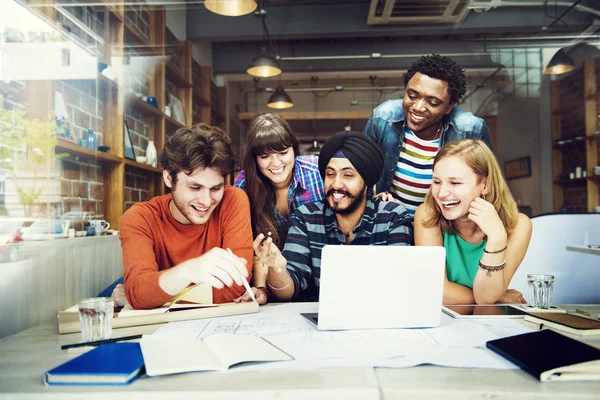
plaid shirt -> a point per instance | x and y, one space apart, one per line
314 226
306 187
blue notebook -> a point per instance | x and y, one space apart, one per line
107 364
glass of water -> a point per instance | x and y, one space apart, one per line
96 315
541 287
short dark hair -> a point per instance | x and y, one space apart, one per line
199 146
442 68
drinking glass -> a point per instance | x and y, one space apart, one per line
541 287
95 315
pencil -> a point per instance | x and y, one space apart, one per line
99 342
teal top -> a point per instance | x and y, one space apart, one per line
462 259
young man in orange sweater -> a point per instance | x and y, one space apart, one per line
179 239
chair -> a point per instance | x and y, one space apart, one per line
577 275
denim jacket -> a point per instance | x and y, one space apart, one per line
386 128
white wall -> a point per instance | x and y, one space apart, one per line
177 23
519 136
202 53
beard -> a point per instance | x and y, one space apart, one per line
355 200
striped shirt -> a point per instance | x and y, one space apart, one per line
314 226
413 174
306 187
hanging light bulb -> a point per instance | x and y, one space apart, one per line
560 63
315 148
231 8
280 99
264 65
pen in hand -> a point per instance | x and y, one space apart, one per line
245 282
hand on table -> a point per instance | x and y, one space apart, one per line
512 296
261 297
118 296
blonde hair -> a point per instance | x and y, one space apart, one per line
478 156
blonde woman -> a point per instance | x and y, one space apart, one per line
469 210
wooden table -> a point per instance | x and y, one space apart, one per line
24 358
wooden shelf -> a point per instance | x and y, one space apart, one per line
595 178
177 77
170 122
65 145
569 145
135 40
594 137
569 110
199 98
141 106
568 182
309 115
142 167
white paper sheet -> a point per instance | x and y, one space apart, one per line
456 343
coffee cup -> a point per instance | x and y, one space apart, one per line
100 225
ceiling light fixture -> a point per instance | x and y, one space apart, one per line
280 99
231 8
265 64
560 63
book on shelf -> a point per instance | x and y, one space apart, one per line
165 355
550 356
194 302
107 364
568 323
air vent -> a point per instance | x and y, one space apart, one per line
385 12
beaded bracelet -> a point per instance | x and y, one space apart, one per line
492 268
495 252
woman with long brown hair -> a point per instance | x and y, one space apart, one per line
276 179
469 210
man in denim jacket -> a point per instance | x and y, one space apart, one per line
410 132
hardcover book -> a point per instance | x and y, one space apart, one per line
107 364
550 356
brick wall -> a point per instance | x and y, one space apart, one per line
173 49
138 17
81 187
88 16
139 126
136 188
84 107
136 71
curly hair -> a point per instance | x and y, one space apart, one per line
442 68
199 146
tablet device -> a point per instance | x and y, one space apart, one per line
484 311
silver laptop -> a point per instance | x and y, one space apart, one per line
378 287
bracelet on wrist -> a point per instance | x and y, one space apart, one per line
279 288
492 268
494 252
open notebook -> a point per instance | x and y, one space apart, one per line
171 355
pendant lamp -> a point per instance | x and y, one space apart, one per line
264 65
280 99
560 63
231 8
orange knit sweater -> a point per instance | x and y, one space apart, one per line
153 241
